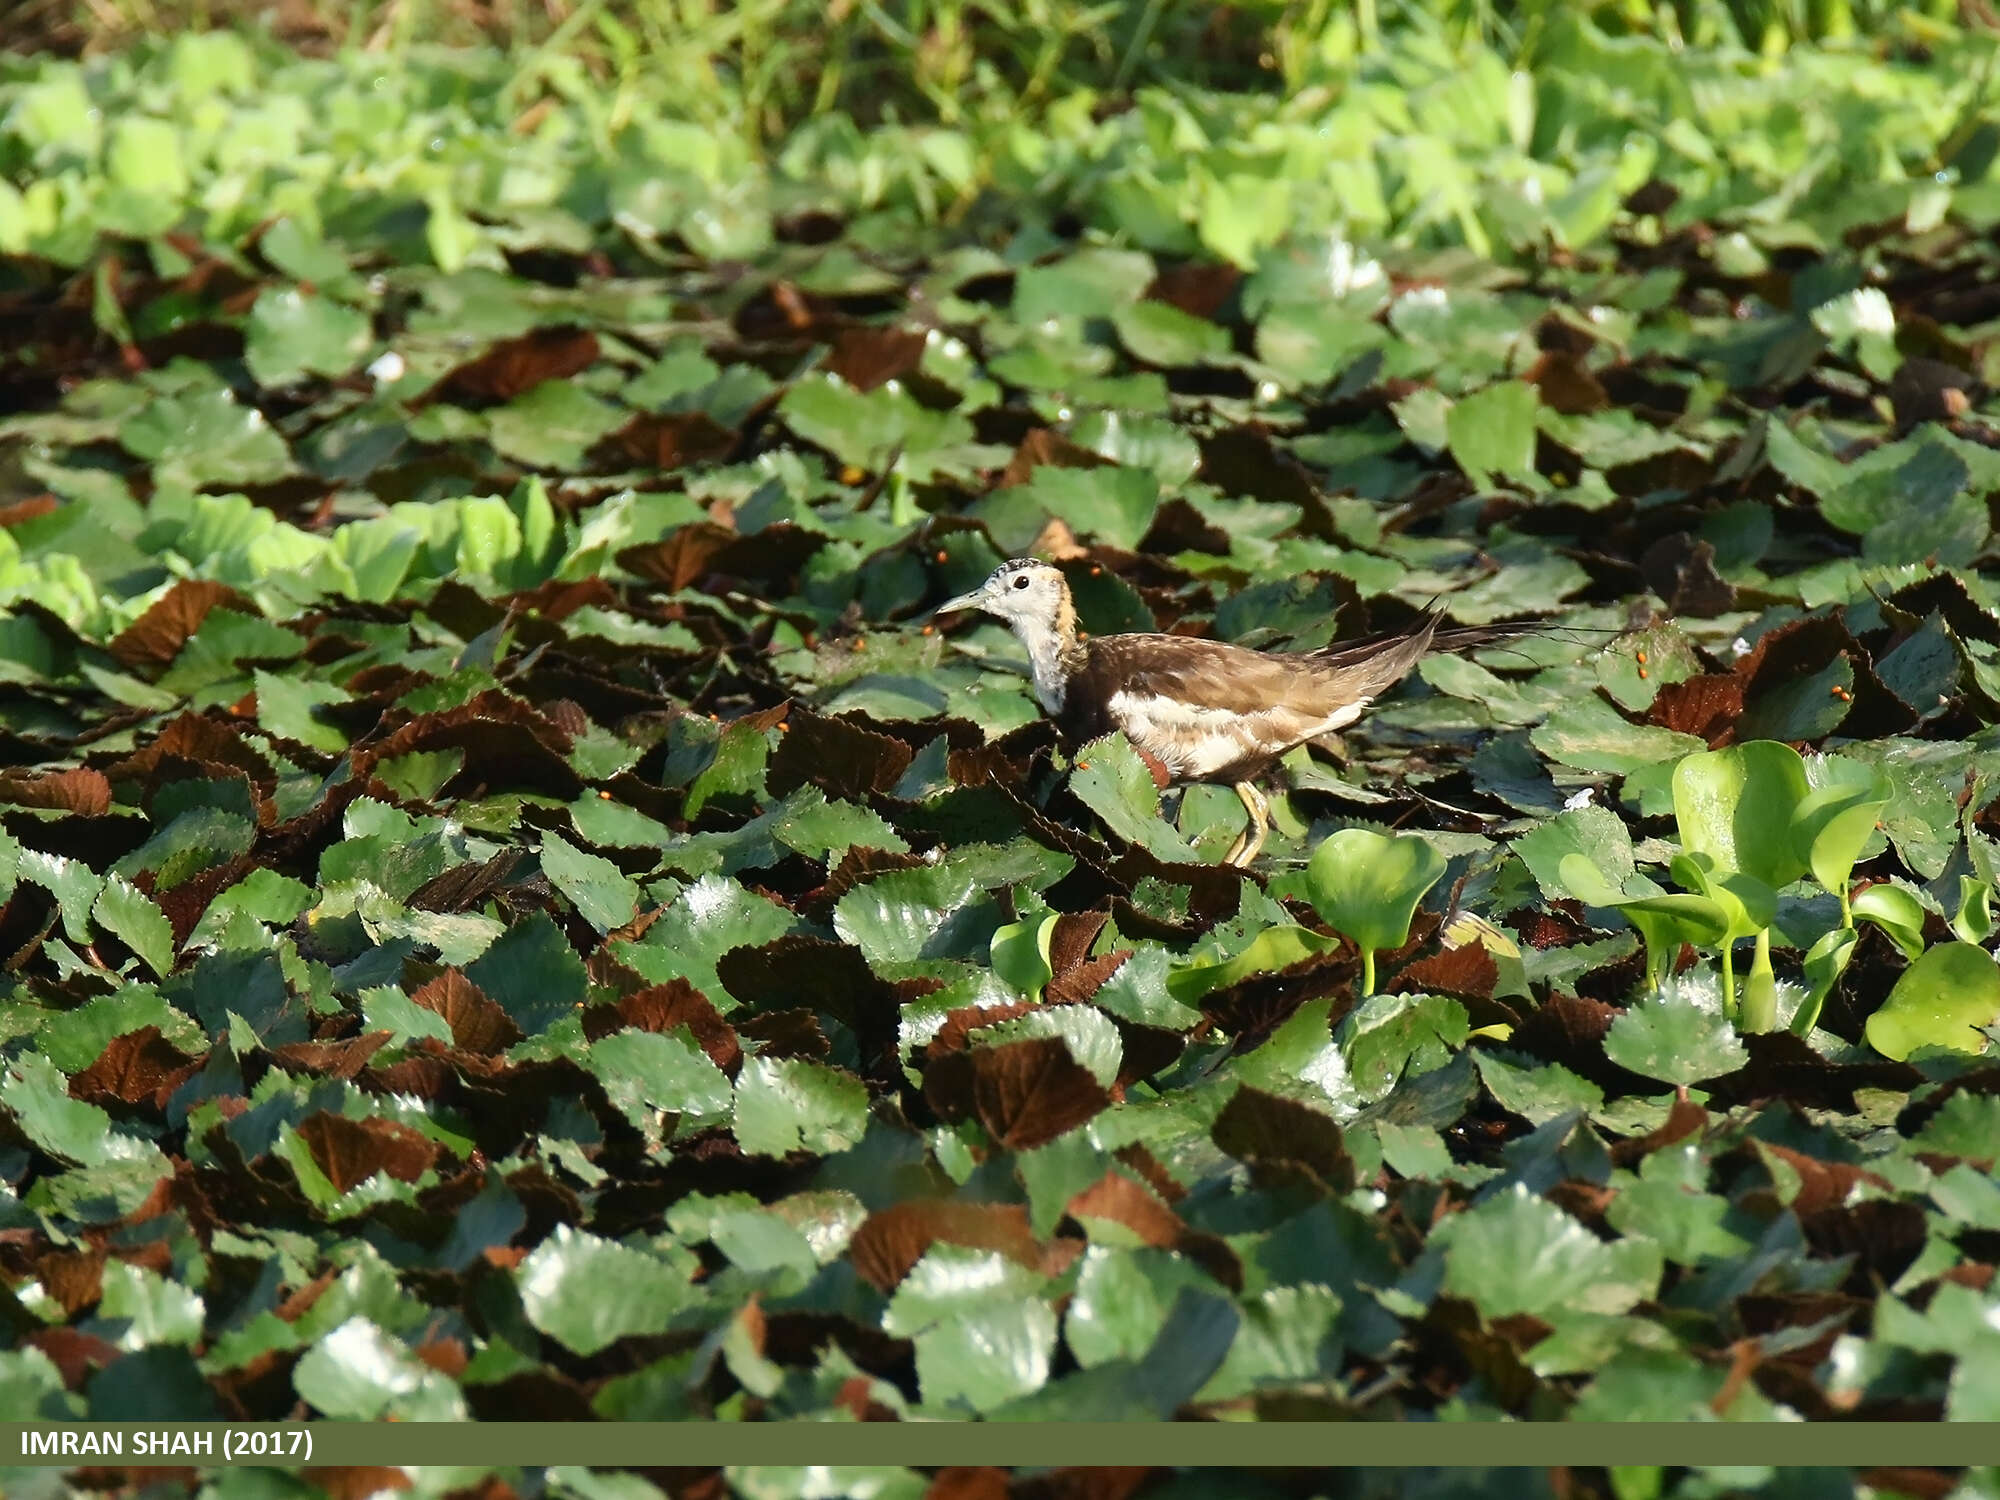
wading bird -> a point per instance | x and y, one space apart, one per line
1206 710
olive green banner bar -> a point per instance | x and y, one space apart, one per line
922 1444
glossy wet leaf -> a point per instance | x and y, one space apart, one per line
1674 1040
1737 806
1941 1000
587 1292
1367 885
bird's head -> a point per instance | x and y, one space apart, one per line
1024 592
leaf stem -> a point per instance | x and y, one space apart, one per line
1729 978
1367 972
1760 990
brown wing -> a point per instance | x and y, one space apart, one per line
1215 674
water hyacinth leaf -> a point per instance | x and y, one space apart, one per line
1272 949
1832 823
1666 922
1972 918
1825 962
1674 1041
1941 1001
1019 953
1367 885
1737 806
1897 912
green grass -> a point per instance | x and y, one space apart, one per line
769 64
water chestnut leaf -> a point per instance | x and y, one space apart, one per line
1941 1000
1675 1041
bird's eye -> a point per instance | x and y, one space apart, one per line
1021 582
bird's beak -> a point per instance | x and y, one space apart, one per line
963 601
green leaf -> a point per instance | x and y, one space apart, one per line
1536 1092
205 438
645 1072
1019 953
1367 885
1113 782
1491 434
37 1097
602 894
1592 736
131 916
285 705
987 1356
587 1293
1737 806
1833 822
1595 835
553 426
292 333
1161 334
788 1104
1516 1253
1674 1041
1897 912
1940 1001
533 973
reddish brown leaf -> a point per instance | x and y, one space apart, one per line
20 512
967 1484
1078 984
79 791
1680 568
477 1022
352 1151
1045 446
1197 288
1257 1127
1467 971
506 743
1707 706
1565 385
343 1059
74 1353
893 1240
842 758
866 356
679 558
663 1007
516 365
675 440
139 1067
958 1025
1117 1197
156 637
1028 1093
75 1278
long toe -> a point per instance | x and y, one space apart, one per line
1251 840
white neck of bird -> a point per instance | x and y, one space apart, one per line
1053 652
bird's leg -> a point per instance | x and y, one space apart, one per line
1252 838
